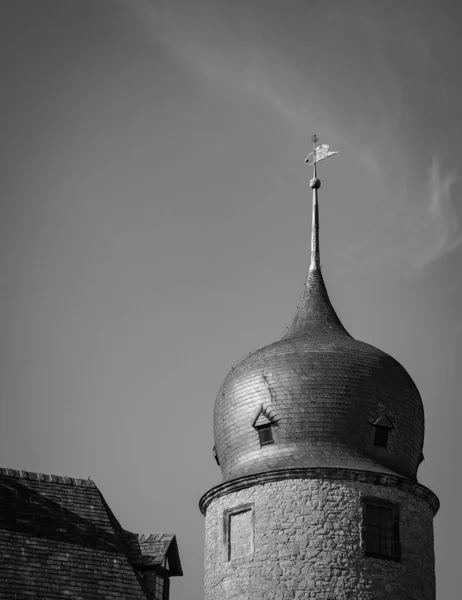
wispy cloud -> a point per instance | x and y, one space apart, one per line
413 232
440 231
245 66
244 69
222 51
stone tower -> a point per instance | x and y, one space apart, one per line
319 437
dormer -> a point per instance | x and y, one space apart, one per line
263 420
156 559
382 425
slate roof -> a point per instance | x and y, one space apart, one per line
325 390
315 315
151 550
59 539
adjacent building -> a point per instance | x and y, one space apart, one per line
59 539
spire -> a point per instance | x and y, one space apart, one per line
315 184
315 315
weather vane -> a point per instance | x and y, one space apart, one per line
319 153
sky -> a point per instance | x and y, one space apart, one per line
155 227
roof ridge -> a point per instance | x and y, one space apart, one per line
32 476
148 536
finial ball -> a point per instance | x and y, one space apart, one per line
315 183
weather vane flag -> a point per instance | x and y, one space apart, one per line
319 152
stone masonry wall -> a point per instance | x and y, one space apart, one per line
307 544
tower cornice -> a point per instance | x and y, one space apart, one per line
326 474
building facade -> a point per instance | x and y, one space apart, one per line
59 539
319 437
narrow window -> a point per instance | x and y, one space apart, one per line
158 584
381 436
265 433
159 588
263 419
215 455
238 532
381 529
382 427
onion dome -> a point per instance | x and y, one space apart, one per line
318 398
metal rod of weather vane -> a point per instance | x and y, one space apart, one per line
314 184
314 156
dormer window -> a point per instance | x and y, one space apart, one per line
160 589
263 421
156 559
215 455
381 436
382 427
158 583
265 434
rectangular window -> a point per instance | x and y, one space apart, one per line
157 583
238 532
159 588
265 434
381 436
381 529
